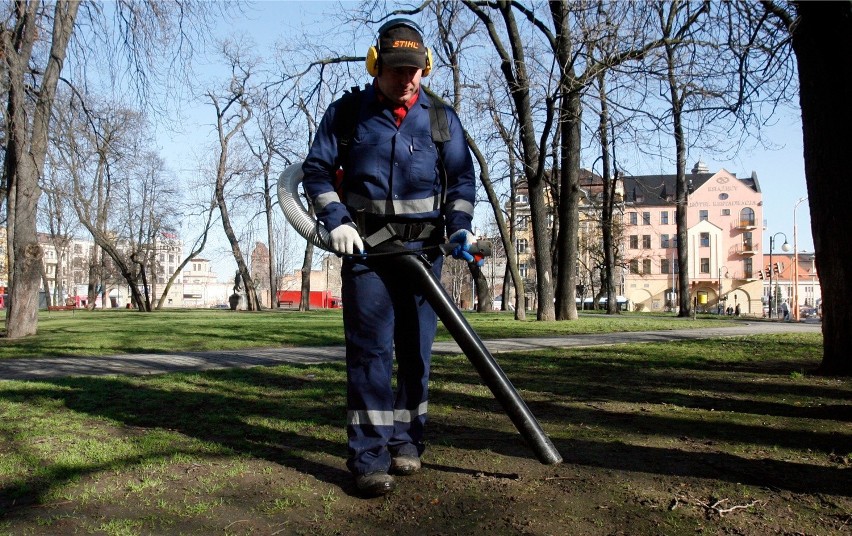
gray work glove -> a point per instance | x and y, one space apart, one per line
346 240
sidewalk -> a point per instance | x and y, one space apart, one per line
143 364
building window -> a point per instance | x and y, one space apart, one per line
664 241
705 265
522 269
726 212
747 217
634 241
634 218
634 266
705 240
664 266
703 215
521 245
523 223
522 198
747 268
748 245
646 241
646 218
664 217
646 266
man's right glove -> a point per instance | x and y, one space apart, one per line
464 239
345 239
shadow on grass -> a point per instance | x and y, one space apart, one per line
203 410
253 412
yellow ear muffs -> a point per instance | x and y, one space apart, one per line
428 68
373 61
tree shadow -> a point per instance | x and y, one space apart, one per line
212 407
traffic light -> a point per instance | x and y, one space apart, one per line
760 273
767 272
776 268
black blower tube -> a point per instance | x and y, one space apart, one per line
479 356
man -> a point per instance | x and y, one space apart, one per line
396 186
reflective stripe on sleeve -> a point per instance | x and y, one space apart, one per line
461 205
323 200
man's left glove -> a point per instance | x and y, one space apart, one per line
464 239
345 239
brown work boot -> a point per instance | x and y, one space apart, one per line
405 465
375 484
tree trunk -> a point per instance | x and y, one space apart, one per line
483 291
305 298
569 213
823 34
609 183
26 149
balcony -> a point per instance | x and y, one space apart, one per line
747 224
747 249
742 275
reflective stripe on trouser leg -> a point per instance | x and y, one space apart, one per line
377 418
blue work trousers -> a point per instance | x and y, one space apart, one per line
383 312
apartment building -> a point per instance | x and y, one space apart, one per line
590 254
66 269
793 284
724 215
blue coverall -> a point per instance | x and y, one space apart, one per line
391 174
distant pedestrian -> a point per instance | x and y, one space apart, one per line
786 310
737 310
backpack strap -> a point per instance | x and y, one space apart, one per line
440 134
346 121
438 121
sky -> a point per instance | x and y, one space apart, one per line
780 171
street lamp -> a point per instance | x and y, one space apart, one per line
784 247
796 264
719 301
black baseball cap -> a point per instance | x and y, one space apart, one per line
401 45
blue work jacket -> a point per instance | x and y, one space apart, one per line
391 172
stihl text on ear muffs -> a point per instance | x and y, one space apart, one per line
374 56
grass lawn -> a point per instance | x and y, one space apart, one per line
106 332
726 436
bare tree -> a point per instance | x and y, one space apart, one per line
506 135
517 78
232 113
26 145
35 41
58 218
608 202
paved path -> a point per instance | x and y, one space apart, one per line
141 364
